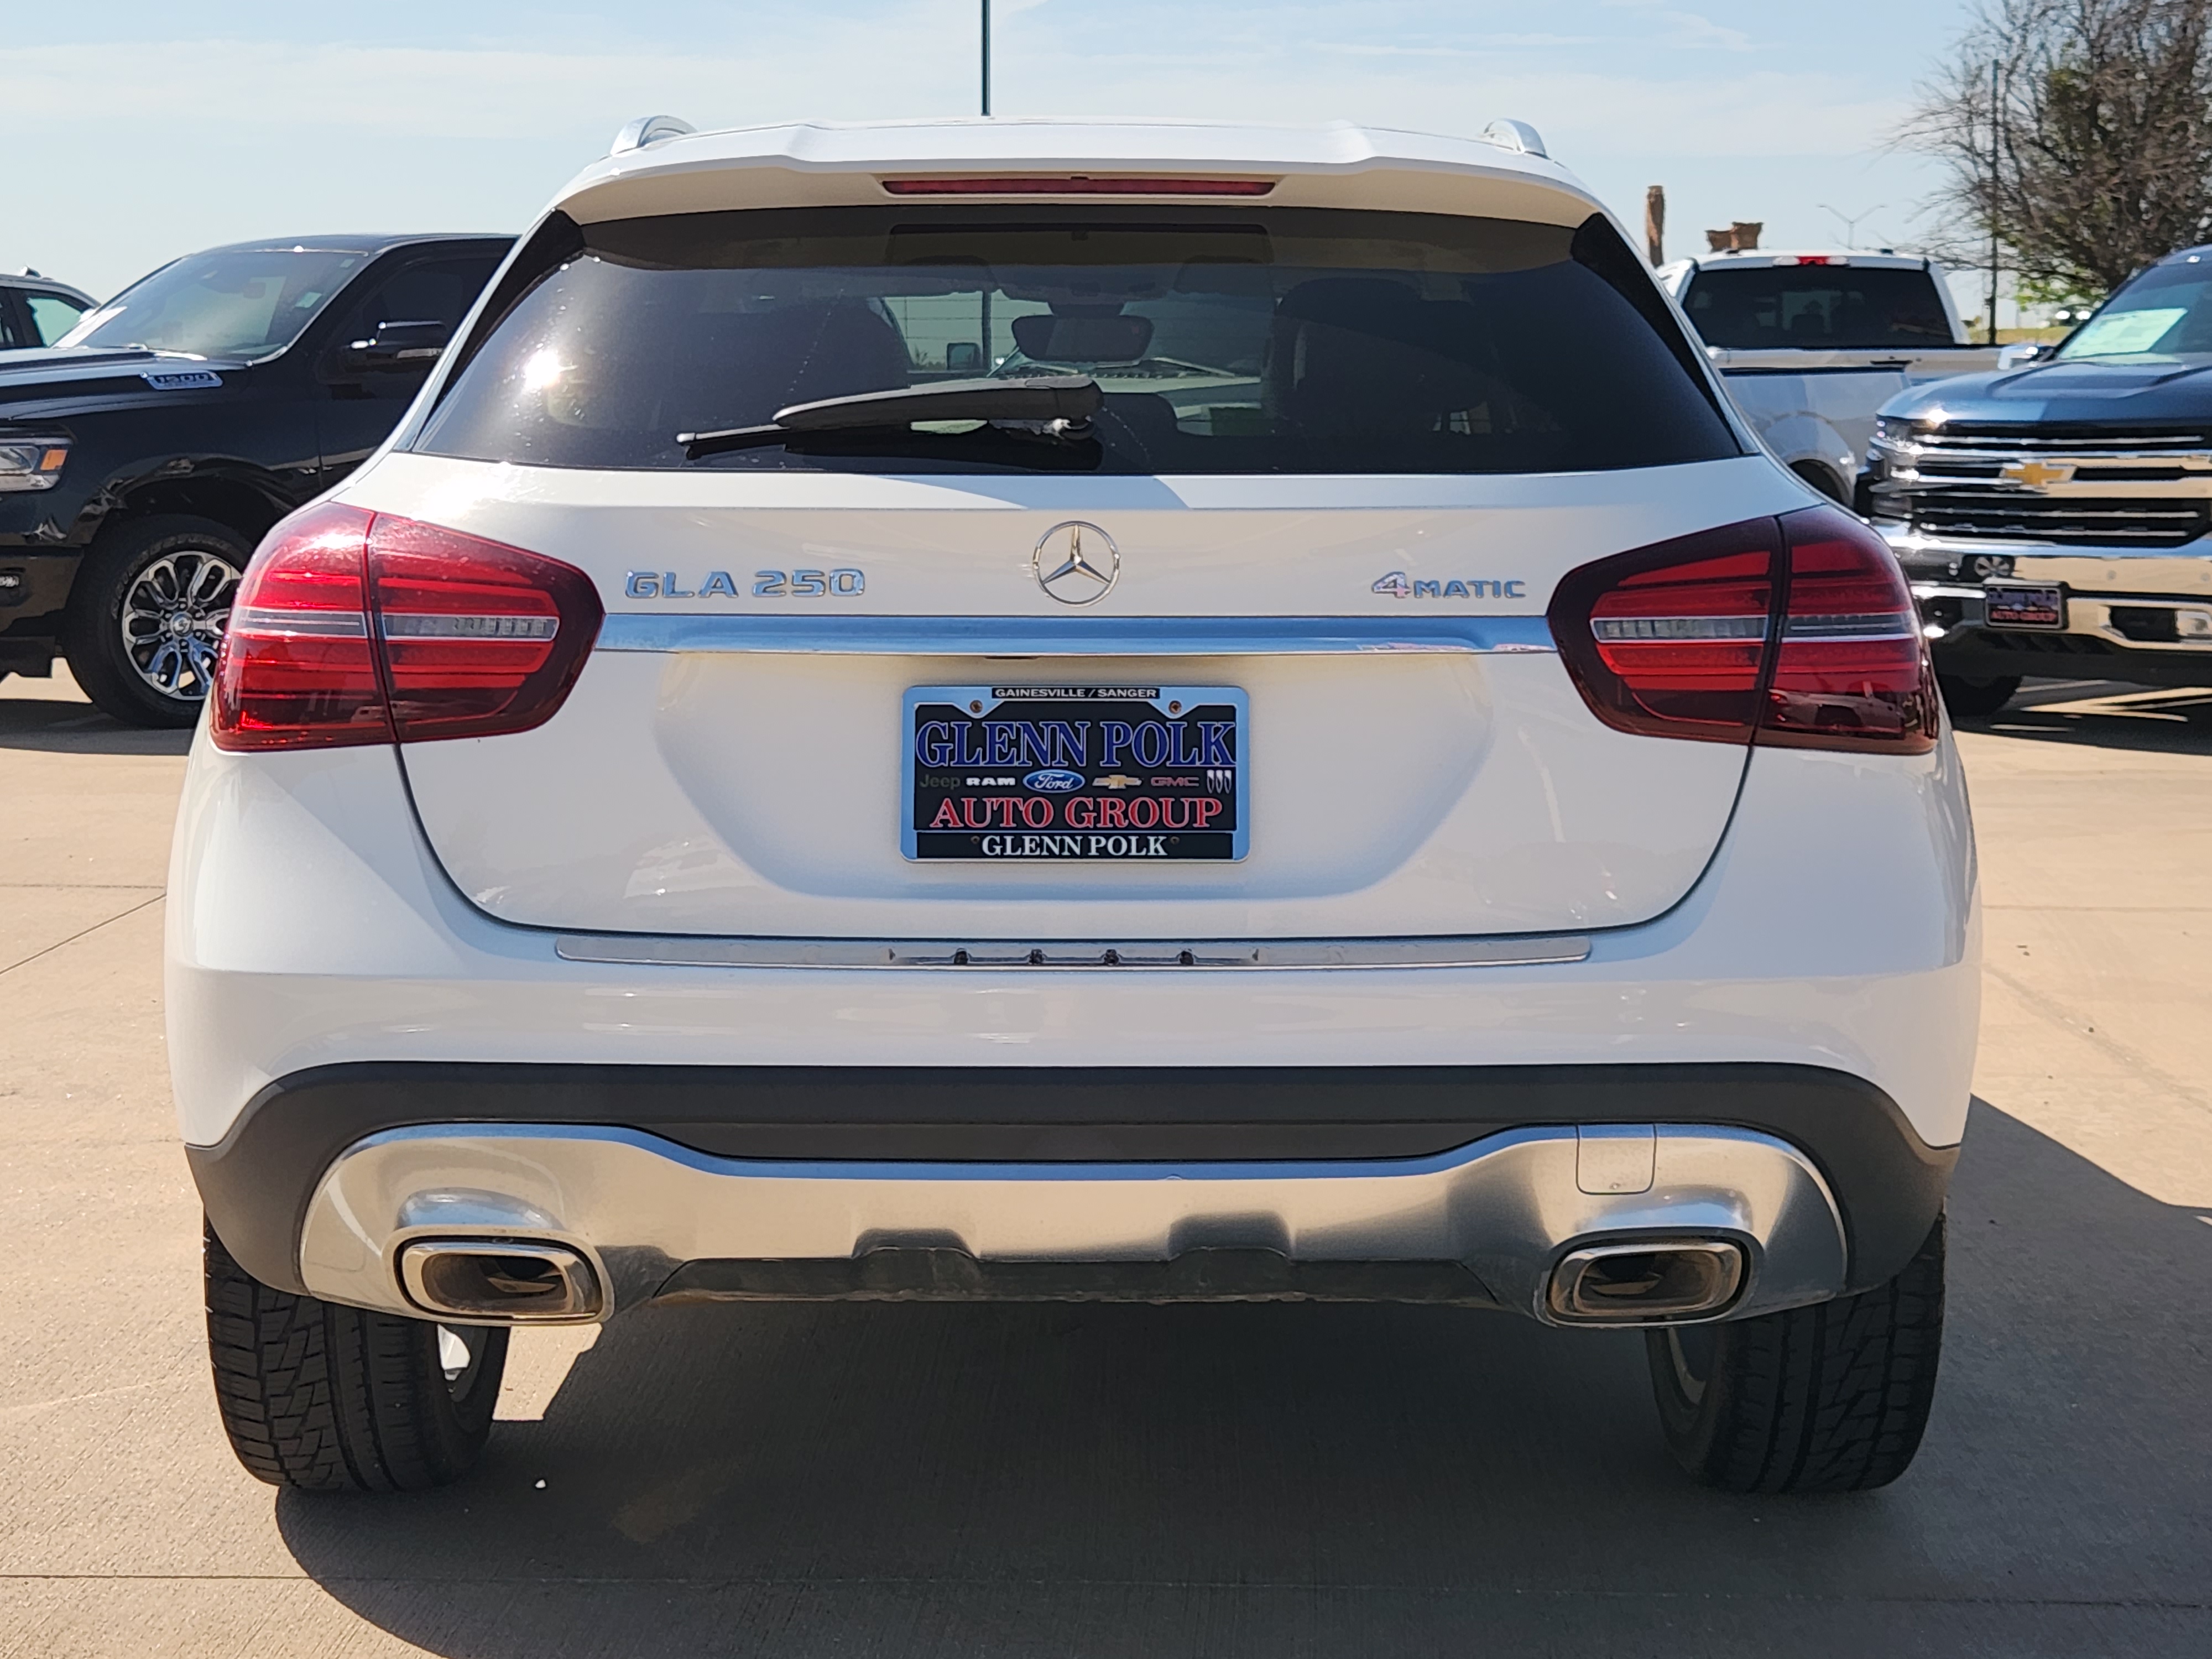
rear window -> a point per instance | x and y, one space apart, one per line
1290 340
1818 307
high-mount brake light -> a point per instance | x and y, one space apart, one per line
1796 631
354 628
1078 185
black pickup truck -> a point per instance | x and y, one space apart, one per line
2055 518
142 459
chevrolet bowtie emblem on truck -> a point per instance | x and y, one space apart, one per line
2038 475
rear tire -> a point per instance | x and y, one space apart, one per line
1975 700
327 1398
1830 1398
147 614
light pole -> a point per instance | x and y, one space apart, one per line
1997 161
987 56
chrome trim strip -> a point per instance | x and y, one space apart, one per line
1439 951
1905 541
268 620
1073 636
638 1207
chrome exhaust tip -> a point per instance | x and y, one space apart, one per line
500 1281
1650 1281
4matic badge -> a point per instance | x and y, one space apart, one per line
1479 587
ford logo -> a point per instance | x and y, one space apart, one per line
1053 781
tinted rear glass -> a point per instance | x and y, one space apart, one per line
1297 340
1820 307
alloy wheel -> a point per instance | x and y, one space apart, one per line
173 618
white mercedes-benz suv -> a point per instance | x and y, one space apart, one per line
1037 710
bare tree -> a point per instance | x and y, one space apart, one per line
2077 133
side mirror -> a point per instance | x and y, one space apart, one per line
396 346
2027 351
964 357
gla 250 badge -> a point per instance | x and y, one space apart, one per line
767 585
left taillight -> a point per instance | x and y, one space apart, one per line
354 628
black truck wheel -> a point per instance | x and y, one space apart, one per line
328 1397
147 616
1830 1398
1973 700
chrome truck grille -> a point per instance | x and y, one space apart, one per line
2062 487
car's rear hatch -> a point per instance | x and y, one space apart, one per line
1344 457
1414 765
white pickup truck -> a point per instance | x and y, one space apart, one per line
1812 344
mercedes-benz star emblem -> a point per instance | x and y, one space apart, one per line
1077 563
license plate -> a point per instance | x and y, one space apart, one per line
2026 607
1113 773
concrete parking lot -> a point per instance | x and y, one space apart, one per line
1109 1481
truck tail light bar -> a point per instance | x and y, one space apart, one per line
353 627
1797 632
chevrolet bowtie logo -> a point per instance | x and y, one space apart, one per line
2038 475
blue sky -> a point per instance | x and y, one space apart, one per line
140 131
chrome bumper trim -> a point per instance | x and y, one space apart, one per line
1075 637
2187 568
1442 951
1506 1208
2085 614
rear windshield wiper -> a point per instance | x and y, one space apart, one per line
1055 406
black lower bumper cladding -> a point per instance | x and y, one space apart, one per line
257 1182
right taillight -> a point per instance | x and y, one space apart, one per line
1853 670
1796 631
353 628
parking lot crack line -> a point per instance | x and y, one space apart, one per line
2057 1014
81 933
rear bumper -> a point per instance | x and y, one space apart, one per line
2144 639
1426 1183
360 1055
2132 613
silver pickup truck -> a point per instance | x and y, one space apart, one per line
1811 344
2055 518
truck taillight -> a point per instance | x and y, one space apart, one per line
1797 631
355 627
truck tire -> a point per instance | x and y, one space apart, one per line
146 614
1974 700
1823 481
326 1398
1825 1398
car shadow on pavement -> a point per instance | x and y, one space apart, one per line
71 726
1133 1480
2103 714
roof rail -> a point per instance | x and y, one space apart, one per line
1516 135
648 129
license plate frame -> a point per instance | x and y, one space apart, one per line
2026 607
1183 726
